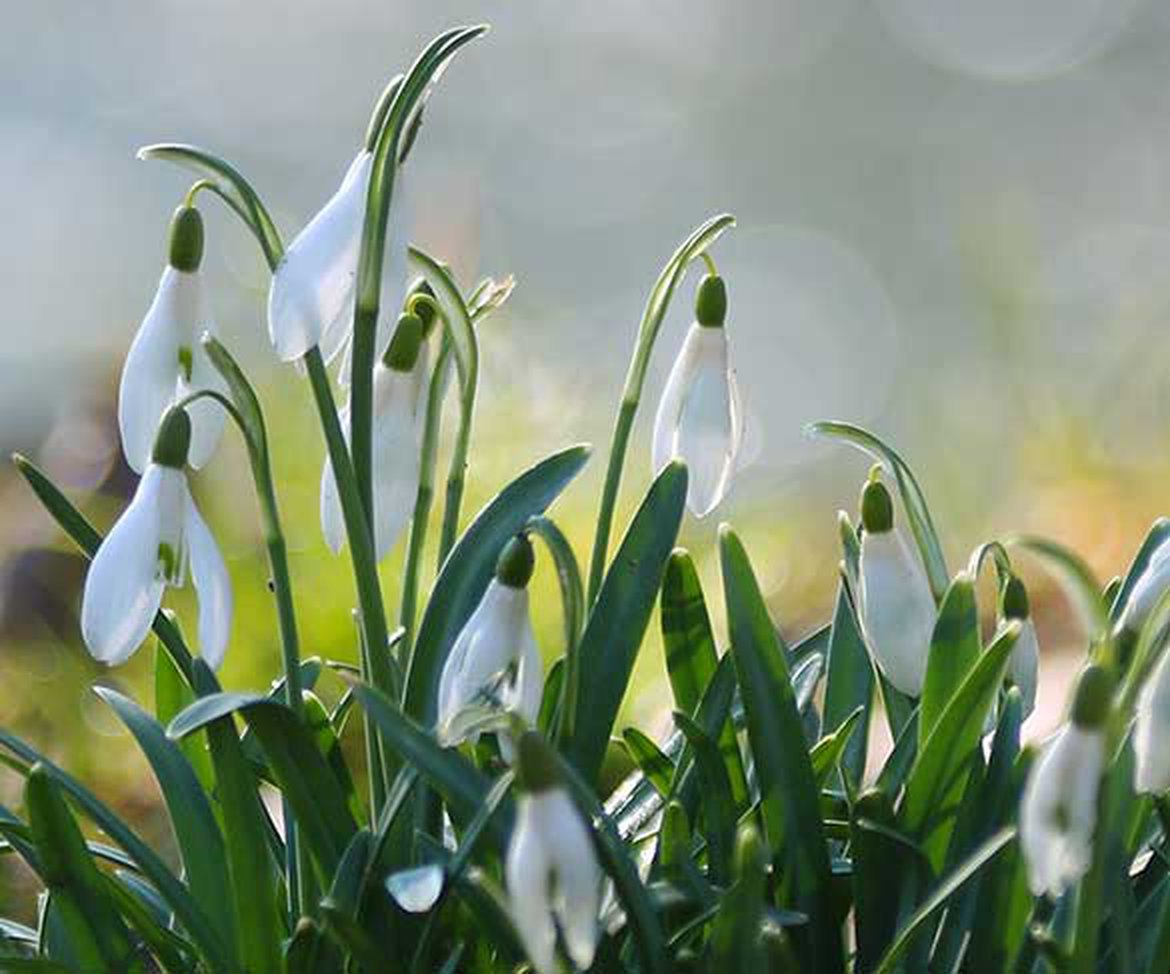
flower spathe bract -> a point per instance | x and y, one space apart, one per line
152 544
495 662
397 436
1152 731
553 878
312 287
166 361
699 418
897 608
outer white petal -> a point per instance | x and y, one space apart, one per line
1025 665
314 282
487 646
1058 811
577 874
212 586
663 448
527 874
898 610
207 418
1148 589
332 520
396 456
151 371
1151 733
124 587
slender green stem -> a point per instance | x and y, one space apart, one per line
455 481
428 460
609 492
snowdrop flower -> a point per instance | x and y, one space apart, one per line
897 607
1146 591
699 418
495 660
166 361
551 869
149 548
399 386
1152 730
1024 666
311 298
1058 811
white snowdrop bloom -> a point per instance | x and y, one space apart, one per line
699 419
399 415
897 608
1152 731
150 547
1058 811
495 661
166 361
551 870
1024 665
1147 590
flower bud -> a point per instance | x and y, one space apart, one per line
186 239
173 440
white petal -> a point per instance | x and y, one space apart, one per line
124 587
1147 590
397 444
527 872
332 521
577 874
315 280
898 610
212 586
1152 731
1058 811
1025 665
530 678
207 417
663 448
151 372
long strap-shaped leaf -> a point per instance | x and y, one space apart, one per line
788 788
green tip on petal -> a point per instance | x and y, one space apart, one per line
536 764
1093 697
516 562
711 302
877 508
405 345
186 239
173 439
1013 601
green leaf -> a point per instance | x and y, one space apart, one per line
848 686
879 862
736 945
620 615
471 565
229 185
197 833
830 749
568 575
187 911
913 500
1078 578
953 882
462 786
96 933
686 632
719 818
655 765
304 777
172 695
172 951
788 789
939 774
954 648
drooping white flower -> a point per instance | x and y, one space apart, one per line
311 298
400 380
897 608
150 547
1151 732
1147 590
1058 811
551 871
1024 665
699 417
166 361
495 661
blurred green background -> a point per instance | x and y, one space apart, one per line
952 229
